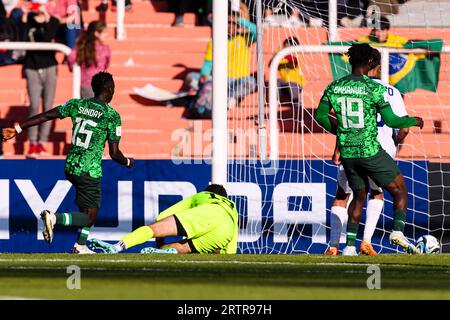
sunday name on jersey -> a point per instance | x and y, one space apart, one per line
349 90
90 112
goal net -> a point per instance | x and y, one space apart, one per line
284 196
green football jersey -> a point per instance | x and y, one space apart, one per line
356 101
94 122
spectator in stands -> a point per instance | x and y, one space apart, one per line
103 6
292 81
8 32
194 80
386 7
7 6
3 14
360 13
1 143
241 35
92 54
203 7
40 70
351 12
315 12
69 15
380 34
279 13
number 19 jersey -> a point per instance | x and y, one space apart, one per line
94 122
356 101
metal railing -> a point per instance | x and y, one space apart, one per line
44 46
273 74
120 20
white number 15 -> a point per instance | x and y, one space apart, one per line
81 129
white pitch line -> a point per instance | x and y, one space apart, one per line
237 262
147 269
17 298
87 268
182 261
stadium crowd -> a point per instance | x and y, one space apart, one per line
61 21
351 13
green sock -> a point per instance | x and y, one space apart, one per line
138 236
399 220
83 235
76 219
352 231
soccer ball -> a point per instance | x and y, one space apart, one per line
428 244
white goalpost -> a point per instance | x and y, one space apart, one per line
220 93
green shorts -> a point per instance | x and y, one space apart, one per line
208 226
381 168
88 190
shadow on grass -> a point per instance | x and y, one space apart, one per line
425 278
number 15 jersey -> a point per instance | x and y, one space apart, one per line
356 101
94 122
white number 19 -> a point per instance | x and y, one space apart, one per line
347 111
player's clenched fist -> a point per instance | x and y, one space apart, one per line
8 133
130 163
419 122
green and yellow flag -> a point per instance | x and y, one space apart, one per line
407 72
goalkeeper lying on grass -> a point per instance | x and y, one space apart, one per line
208 220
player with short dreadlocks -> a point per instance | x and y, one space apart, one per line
94 123
356 99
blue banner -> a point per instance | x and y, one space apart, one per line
285 210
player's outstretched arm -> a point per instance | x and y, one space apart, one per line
117 155
250 26
177 207
9 133
393 121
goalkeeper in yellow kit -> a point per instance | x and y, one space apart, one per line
208 220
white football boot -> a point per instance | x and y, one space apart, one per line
398 238
49 220
81 249
349 251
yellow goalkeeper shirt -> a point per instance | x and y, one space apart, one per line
200 199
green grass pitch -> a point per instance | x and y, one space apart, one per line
136 276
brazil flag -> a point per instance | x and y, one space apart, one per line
407 71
